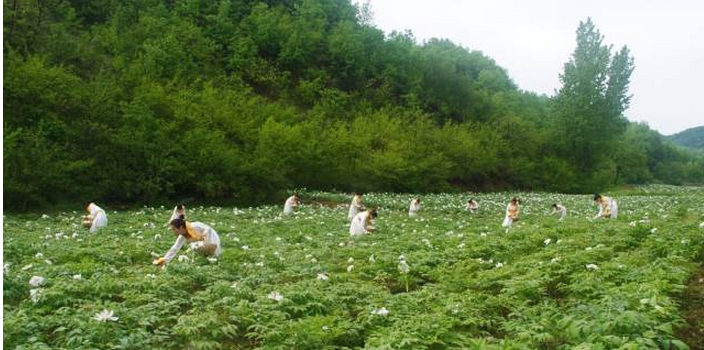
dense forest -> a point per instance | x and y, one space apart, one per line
143 100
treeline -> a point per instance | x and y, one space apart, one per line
142 100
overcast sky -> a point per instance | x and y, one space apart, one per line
533 40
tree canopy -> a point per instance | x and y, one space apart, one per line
148 100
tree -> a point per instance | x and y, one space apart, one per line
588 109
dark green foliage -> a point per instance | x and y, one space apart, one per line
145 100
692 137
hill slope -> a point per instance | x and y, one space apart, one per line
692 137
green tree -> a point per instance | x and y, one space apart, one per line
588 109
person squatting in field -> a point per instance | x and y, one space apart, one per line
472 205
356 206
202 237
291 203
559 208
415 207
607 207
97 218
179 211
362 223
512 211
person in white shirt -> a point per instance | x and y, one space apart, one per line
291 203
559 208
356 206
472 205
97 218
179 211
607 207
362 223
203 238
414 208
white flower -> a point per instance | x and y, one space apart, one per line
655 229
36 281
275 296
150 275
499 265
588 248
105 315
157 237
213 260
278 239
380 312
350 268
322 277
350 260
245 247
77 277
183 258
461 245
547 241
44 216
36 294
195 245
234 285
554 260
5 267
325 328
342 244
403 267
701 224
39 255
401 257
372 259
591 267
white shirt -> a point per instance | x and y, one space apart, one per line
562 210
209 237
358 226
291 203
415 207
355 207
100 219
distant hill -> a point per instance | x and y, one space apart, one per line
692 137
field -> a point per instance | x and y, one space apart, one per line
300 282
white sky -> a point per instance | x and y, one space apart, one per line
533 40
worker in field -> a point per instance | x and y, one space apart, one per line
96 219
362 223
291 203
179 211
559 208
356 206
414 208
472 205
202 237
512 211
607 207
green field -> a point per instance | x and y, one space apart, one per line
582 283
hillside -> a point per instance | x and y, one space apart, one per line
692 137
138 101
